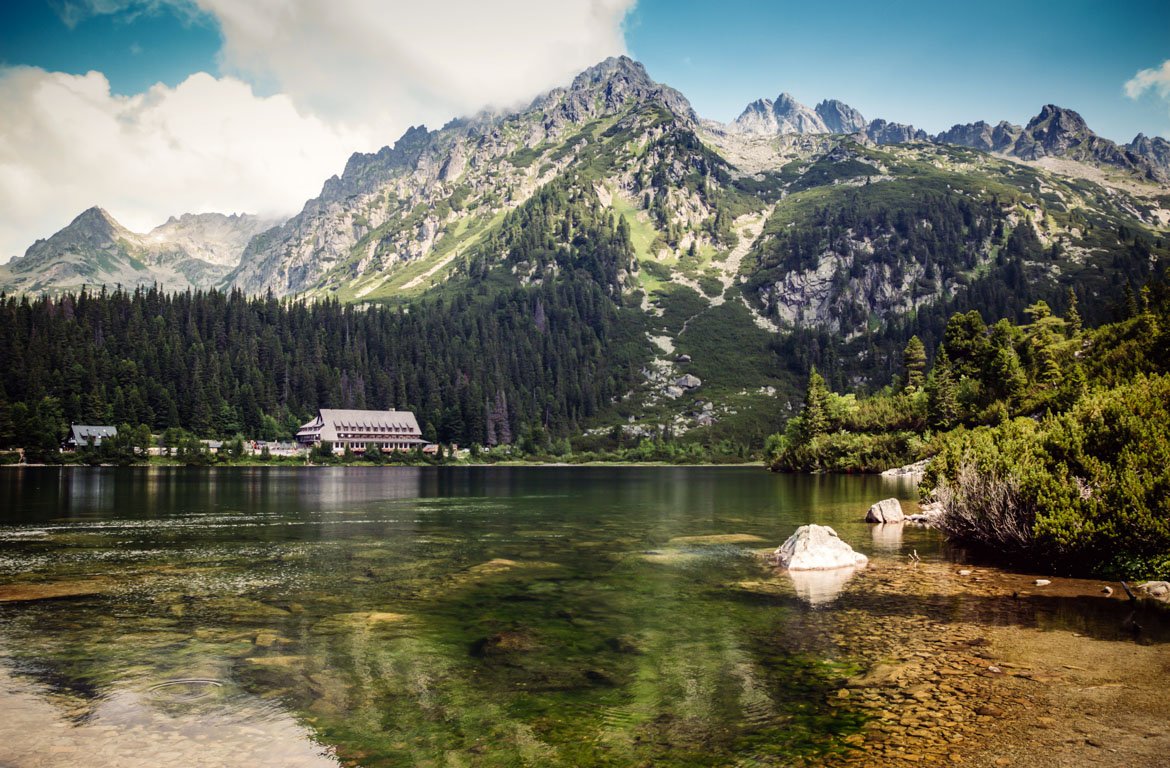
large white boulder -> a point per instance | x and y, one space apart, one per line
885 511
817 548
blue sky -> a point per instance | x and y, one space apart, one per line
928 63
158 107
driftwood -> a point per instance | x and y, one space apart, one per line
1128 591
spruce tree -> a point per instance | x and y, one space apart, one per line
814 419
914 359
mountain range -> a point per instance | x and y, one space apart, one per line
190 251
738 254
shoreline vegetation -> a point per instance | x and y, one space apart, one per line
1048 443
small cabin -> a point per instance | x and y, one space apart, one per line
85 435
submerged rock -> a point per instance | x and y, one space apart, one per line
815 548
52 590
885 511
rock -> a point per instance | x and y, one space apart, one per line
1158 590
1042 582
683 359
917 469
1107 591
673 392
53 590
817 547
689 381
885 511
964 572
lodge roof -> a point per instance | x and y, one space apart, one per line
350 420
82 433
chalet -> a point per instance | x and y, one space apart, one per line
362 430
83 436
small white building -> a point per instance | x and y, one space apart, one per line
362 430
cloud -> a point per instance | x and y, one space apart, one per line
411 62
209 144
303 84
1155 78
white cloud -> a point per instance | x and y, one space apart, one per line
209 144
1155 78
348 75
410 62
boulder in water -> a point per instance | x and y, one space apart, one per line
885 511
817 548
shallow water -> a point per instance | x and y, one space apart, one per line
454 617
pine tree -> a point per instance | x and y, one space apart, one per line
1072 315
914 359
942 400
814 419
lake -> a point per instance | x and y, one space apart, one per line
500 616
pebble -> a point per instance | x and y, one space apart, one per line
1042 582
964 572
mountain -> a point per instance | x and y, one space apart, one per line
1062 133
839 117
787 116
193 251
602 262
397 217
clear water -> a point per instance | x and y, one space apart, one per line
447 617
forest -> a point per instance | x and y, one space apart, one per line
1047 441
485 361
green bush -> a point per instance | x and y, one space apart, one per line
1090 487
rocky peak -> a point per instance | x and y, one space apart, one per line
794 117
884 132
839 117
609 86
1055 130
1155 151
757 117
981 135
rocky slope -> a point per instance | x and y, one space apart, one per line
1063 133
192 251
795 236
396 219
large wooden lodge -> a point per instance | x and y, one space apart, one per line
360 431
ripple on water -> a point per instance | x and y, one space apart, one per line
185 690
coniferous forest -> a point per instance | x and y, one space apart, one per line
484 364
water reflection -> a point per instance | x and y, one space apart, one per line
457 616
128 727
887 537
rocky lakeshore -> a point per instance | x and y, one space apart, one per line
1000 677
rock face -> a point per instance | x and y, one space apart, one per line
885 511
1060 132
1155 151
982 136
193 251
817 548
398 205
883 132
839 117
784 116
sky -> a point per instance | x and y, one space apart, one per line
153 108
